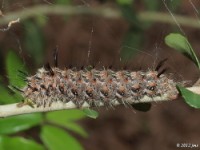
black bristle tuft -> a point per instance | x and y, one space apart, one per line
55 55
82 67
48 68
163 71
124 67
61 89
92 66
160 64
32 88
42 86
70 66
23 75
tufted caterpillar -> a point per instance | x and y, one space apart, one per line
96 87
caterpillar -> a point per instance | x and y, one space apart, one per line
107 86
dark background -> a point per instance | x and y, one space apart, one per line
167 123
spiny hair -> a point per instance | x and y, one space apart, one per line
107 86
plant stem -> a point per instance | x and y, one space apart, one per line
166 18
13 109
99 11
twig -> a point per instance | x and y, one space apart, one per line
60 10
99 11
166 18
10 24
13 109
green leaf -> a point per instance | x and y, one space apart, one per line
173 5
133 38
55 138
41 20
190 98
130 15
125 2
66 115
15 124
142 106
6 97
18 143
13 65
63 2
131 44
34 41
180 43
76 128
65 118
91 113
152 5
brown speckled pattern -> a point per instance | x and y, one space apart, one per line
95 86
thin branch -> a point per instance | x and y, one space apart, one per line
99 11
166 18
59 10
13 109
10 25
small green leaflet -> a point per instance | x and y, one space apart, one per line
58 139
181 44
91 113
15 124
67 119
18 143
13 65
191 98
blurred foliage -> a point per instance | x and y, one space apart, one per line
67 120
13 65
6 96
133 38
63 2
15 124
131 44
152 5
18 143
157 5
56 138
34 41
173 5
54 125
125 2
41 21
